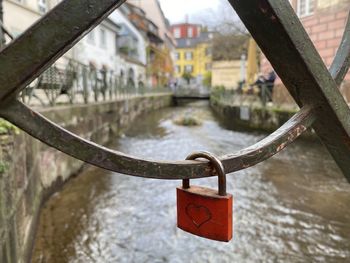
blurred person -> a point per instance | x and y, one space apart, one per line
270 83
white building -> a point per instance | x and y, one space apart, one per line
100 48
131 49
154 11
20 14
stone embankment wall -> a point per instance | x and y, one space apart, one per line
253 118
31 171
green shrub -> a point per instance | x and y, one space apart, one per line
207 79
187 120
6 127
3 167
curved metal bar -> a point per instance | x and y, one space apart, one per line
272 144
52 134
341 62
44 42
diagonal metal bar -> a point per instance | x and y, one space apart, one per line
48 39
341 62
41 128
282 38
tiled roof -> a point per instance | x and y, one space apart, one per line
192 42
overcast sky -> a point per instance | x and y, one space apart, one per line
177 10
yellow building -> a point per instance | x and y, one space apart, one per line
194 56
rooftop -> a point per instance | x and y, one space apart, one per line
192 42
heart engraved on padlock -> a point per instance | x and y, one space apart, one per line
198 214
203 211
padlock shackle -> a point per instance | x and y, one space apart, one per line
217 165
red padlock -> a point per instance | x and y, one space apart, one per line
203 211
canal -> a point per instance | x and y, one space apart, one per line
292 208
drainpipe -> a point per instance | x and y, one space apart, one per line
2 36
243 67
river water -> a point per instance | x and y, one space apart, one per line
294 207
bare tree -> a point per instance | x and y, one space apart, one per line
229 46
223 19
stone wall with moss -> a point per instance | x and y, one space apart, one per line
30 171
254 118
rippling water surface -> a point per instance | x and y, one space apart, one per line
292 208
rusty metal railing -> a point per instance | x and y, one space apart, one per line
76 83
276 29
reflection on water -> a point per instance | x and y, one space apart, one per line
293 208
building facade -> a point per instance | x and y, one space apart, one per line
131 49
159 63
324 21
154 11
186 30
193 57
20 14
226 73
102 49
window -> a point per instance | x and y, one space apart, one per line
188 55
152 28
178 69
208 66
16 32
125 10
91 37
177 55
42 5
138 11
305 7
103 41
177 33
189 68
190 32
152 56
208 51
